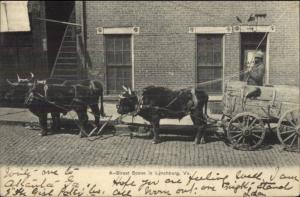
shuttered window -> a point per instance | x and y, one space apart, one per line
209 62
118 62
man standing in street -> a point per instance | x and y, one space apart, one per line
255 75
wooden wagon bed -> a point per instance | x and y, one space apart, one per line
249 108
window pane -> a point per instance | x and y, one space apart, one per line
118 77
209 74
127 58
126 44
217 59
109 44
110 58
119 44
209 50
119 59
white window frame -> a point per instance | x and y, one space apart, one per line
214 30
123 30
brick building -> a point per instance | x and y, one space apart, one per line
140 43
181 44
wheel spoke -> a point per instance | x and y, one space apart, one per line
288 126
236 135
290 121
257 127
293 118
293 141
237 127
286 139
259 137
244 120
239 139
288 131
247 122
235 131
241 124
238 121
257 130
252 123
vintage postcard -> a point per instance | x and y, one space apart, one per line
149 98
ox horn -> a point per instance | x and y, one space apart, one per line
129 91
124 88
19 79
11 83
121 96
32 75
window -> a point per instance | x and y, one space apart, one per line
209 62
118 62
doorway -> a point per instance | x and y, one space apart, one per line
250 43
60 11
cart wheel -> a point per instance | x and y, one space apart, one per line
246 131
288 130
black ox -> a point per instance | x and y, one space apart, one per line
157 103
57 96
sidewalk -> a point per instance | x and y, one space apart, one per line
23 115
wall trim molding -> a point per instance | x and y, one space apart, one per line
254 28
118 30
232 29
210 30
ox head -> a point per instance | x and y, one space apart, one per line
127 102
18 89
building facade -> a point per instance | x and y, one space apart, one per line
24 52
183 44
34 51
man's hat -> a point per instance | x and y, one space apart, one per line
259 54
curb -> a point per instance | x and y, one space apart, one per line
13 122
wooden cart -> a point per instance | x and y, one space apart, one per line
249 110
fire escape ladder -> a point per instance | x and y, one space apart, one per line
66 63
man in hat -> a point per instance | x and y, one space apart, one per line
255 75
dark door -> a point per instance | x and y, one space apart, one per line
250 43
